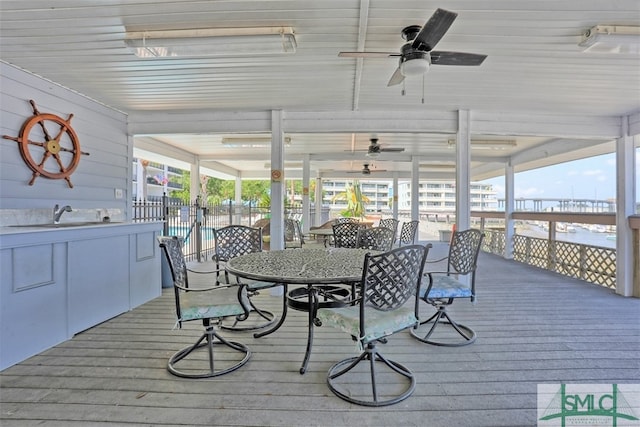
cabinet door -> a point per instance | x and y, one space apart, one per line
33 301
98 285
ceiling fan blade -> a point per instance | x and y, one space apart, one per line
368 54
456 58
396 78
434 29
392 150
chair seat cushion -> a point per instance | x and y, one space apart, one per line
195 312
202 305
378 323
446 287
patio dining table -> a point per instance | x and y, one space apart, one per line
327 277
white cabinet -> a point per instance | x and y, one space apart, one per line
57 283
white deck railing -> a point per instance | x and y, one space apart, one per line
594 264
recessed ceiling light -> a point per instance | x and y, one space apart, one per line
251 141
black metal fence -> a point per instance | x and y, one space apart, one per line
195 222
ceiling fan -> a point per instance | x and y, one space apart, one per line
375 149
366 170
417 55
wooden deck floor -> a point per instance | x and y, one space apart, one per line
533 327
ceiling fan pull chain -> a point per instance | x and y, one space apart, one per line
423 88
403 91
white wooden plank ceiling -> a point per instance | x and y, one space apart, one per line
534 67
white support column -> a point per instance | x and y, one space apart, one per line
318 217
306 210
129 188
277 181
194 180
463 162
625 206
509 197
141 183
394 200
238 202
415 190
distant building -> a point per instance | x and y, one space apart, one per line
159 179
378 193
433 196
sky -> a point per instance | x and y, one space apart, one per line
592 178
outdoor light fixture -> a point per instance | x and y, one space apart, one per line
611 39
212 42
437 166
483 144
251 141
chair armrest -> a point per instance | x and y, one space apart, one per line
429 273
217 270
210 288
433 261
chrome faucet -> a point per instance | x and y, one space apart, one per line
57 213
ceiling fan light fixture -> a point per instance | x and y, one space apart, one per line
373 154
204 42
415 67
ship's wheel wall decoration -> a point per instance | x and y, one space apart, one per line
49 146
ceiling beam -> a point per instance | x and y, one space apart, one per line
356 157
551 148
414 121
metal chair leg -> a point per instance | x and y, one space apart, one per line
265 314
373 356
208 339
441 317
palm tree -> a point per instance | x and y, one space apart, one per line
355 200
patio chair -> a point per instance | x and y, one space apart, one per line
236 240
408 233
444 288
209 305
389 281
390 223
344 219
345 234
293 237
375 238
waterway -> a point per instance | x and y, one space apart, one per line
581 235
429 231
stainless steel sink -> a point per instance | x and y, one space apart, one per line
65 224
